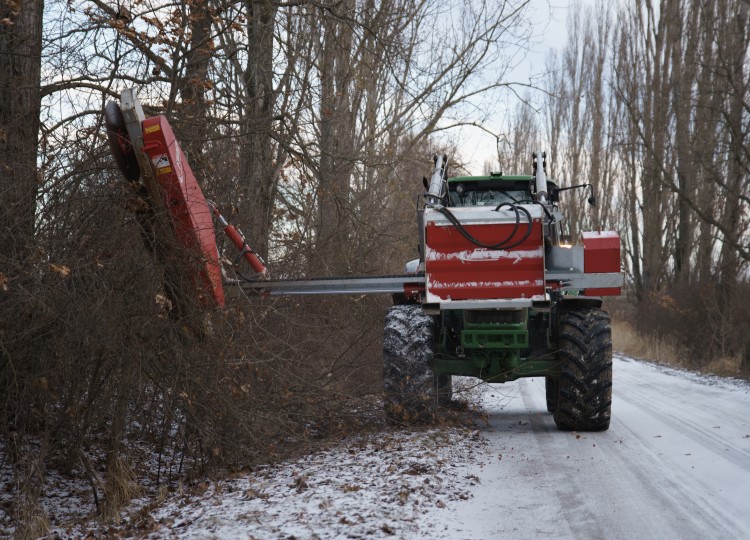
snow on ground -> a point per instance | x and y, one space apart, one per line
366 489
64 497
68 498
675 463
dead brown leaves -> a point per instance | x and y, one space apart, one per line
60 269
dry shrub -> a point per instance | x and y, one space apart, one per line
701 326
120 486
29 481
132 398
726 367
627 340
136 388
32 519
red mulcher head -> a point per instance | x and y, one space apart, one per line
178 192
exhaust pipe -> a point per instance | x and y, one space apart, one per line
540 164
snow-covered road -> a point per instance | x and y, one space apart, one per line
675 463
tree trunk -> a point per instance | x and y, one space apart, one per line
257 170
684 74
192 129
336 139
20 64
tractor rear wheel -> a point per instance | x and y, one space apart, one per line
552 387
584 399
409 384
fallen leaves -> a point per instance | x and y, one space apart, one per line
382 489
300 483
387 529
254 493
473 479
60 269
164 303
417 468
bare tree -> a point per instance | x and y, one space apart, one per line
660 123
580 126
679 62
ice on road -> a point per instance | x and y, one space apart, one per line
675 463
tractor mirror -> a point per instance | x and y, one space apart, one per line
592 197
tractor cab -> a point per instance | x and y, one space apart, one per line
493 190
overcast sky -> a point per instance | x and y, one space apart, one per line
549 18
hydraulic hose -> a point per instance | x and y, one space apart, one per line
503 244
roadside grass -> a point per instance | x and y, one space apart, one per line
627 340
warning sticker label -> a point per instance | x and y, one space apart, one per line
160 161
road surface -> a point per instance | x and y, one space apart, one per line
675 463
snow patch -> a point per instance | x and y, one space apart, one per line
601 234
482 254
472 284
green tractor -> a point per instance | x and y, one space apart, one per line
502 298
495 293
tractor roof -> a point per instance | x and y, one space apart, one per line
495 181
492 176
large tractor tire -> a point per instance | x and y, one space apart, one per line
119 142
584 400
409 384
444 389
552 387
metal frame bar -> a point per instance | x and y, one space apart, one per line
336 285
395 284
579 280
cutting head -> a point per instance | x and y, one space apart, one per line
119 142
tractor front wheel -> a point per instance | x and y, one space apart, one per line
444 389
584 399
410 386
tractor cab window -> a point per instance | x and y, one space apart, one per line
489 197
488 191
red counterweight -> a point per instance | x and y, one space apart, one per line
601 254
